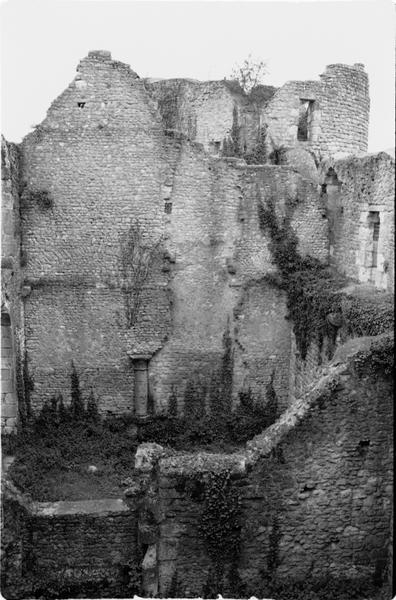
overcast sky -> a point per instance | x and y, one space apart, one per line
43 41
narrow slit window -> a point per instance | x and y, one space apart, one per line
374 221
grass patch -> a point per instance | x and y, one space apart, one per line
51 462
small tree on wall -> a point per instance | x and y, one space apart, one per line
250 73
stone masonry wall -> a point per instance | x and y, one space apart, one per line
220 258
106 165
206 111
66 545
80 542
11 305
340 111
323 472
362 186
100 156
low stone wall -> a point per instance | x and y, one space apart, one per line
315 492
70 546
321 476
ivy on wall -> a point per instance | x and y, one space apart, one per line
310 285
378 360
208 416
220 528
317 305
137 258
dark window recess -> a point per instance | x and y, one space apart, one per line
363 447
168 208
80 104
374 221
304 120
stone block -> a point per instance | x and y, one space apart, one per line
9 410
147 455
7 386
6 374
149 568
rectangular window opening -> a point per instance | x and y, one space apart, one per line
80 104
305 119
168 208
374 224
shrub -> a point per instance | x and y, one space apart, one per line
77 403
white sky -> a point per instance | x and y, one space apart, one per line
43 41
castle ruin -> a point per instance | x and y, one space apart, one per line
131 246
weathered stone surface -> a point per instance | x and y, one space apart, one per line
149 566
307 472
147 455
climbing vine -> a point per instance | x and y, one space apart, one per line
232 145
137 258
42 198
220 525
372 314
209 418
310 285
378 359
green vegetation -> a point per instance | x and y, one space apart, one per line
54 449
316 302
312 588
311 286
42 198
209 420
378 360
220 529
53 453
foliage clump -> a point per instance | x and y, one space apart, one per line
137 258
53 450
220 528
42 198
209 419
250 73
310 285
378 360
315 588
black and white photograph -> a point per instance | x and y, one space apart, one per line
197 299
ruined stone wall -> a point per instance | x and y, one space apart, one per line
11 304
202 111
207 111
338 122
221 256
14 538
66 546
101 163
75 543
359 188
325 477
99 155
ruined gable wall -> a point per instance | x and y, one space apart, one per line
340 114
11 304
364 185
103 167
328 483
